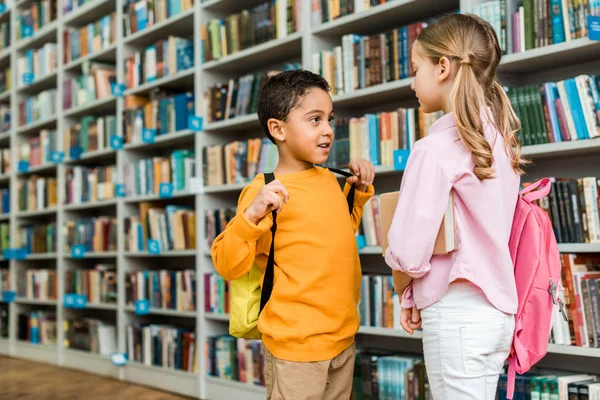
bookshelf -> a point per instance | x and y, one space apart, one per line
571 159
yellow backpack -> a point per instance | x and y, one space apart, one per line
247 299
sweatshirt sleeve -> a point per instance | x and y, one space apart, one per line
235 249
360 199
422 202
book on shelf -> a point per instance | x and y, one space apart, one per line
238 162
36 16
37 108
173 226
5 201
260 24
164 289
35 64
90 134
4 236
72 5
4 321
551 385
236 97
4 279
91 335
37 193
162 112
94 84
215 222
98 284
4 35
141 14
379 305
558 111
96 234
161 59
216 294
90 184
37 239
5 79
89 39
38 284
164 346
37 327
323 11
495 12
235 359
5 118
37 150
5 161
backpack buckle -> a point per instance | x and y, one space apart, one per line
561 309
552 291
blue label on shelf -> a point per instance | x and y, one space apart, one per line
165 190
19 254
142 307
23 166
195 123
118 359
400 159
151 79
75 152
28 78
8 296
120 190
148 135
361 241
117 89
78 251
153 246
80 301
116 142
69 300
26 31
2 8
57 156
8 254
594 27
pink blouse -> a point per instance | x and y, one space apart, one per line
483 212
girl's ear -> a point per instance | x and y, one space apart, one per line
276 128
445 67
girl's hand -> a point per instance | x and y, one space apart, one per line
364 174
268 199
410 319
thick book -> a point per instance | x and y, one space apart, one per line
446 240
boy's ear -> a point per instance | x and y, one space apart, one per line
445 68
276 129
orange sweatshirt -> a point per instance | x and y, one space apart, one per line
312 313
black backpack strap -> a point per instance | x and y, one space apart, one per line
350 197
267 286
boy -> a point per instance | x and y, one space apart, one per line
309 323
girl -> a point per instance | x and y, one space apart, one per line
467 298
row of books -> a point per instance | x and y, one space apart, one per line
238 162
5 118
163 58
161 113
215 222
141 14
4 35
5 80
38 284
558 111
37 108
89 184
92 133
4 321
91 335
379 305
38 238
36 64
35 16
216 294
232 359
262 23
551 385
89 39
92 85
72 5
164 289
5 161
146 176
495 12
96 234
37 193
165 346
173 227
370 227
5 201
328 10
364 61
98 284
37 150
37 327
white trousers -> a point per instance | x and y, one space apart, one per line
465 342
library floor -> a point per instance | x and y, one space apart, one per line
23 380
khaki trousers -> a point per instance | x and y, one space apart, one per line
321 380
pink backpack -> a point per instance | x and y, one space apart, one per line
536 260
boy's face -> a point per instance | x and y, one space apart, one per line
308 131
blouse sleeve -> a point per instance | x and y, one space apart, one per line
422 202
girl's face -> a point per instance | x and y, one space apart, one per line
430 83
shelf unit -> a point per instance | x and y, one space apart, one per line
571 157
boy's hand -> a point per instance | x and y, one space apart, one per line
410 319
364 174
268 199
